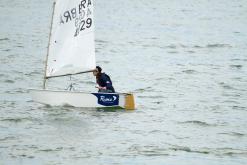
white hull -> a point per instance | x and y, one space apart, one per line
80 99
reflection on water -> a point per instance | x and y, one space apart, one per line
184 61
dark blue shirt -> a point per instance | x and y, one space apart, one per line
105 81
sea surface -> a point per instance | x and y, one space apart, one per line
185 62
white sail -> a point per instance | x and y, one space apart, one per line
71 48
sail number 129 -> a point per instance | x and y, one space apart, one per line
88 23
84 24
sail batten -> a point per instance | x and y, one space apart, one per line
72 49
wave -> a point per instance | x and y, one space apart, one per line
166 150
9 81
173 46
152 97
15 120
149 151
229 151
6 50
7 138
101 42
226 86
236 66
239 107
197 46
187 149
4 39
172 52
196 122
238 59
191 51
51 150
147 89
236 134
205 150
20 46
32 73
189 71
218 45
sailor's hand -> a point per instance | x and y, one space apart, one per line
104 88
100 87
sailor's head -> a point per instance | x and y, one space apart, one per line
97 70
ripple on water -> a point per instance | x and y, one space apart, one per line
173 52
189 71
33 73
226 86
140 90
20 46
165 151
7 138
214 151
51 149
236 66
196 122
190 51
188 149
230 152
15 120
197 46
9 81
235 107
100 41
10 104
158 102
212 46
235 134
6 50
238 59
4 39
149 150
172 46
10 92
218 46
152 96
21 90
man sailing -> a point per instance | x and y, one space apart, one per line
103 80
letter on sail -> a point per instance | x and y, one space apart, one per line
71 47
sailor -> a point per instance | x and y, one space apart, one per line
103 80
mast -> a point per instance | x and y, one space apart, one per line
53 9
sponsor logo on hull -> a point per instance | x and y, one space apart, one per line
107 99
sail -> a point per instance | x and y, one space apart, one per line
71 48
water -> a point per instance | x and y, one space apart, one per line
185 61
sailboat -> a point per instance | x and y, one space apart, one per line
71 51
